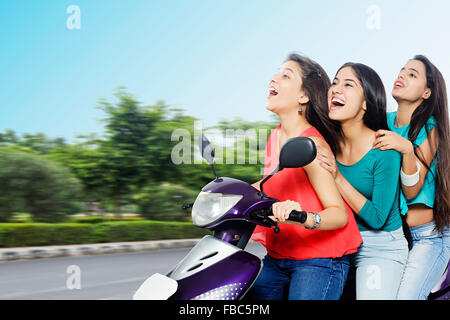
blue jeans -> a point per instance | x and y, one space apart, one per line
426 262
311 279
380 263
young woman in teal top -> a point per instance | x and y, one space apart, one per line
420 131
368 180
375 178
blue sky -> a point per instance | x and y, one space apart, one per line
211 58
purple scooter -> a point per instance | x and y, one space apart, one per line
218 268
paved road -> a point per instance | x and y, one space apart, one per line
112 276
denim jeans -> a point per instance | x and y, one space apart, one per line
310 279
426 262
380 263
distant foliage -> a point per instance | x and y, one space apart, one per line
165 202
130 163
36 185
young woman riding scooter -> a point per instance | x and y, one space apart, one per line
310 260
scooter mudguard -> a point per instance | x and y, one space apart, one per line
156 287
215 270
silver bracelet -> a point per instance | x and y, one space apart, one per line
409 180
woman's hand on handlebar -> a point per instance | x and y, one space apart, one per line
281 210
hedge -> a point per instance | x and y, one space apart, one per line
104 219
42 234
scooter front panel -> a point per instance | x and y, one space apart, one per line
215 269
228 279
156 287
206 252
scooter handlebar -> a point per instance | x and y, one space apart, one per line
298 216
262 216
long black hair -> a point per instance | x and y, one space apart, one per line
315 83
374 94
437 106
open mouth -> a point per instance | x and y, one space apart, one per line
336 103
272 92
399 85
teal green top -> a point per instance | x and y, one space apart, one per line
376 177
426 194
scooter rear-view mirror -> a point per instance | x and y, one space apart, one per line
207 151
297 152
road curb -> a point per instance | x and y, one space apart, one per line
29 253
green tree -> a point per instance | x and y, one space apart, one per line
133 157
87 163
43 188
137 144
9 137
127 129
164 201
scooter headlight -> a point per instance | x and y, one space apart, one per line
208 207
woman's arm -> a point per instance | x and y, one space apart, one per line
334 215
375 211
386 140
352 196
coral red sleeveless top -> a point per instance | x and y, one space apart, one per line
294 241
